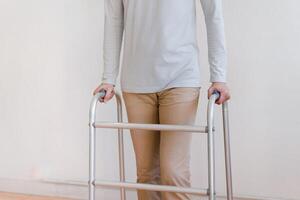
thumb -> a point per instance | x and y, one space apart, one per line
210 91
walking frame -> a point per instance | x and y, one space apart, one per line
120 125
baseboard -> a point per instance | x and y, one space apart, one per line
75 189
41 187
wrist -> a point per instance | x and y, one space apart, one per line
218 83
110 84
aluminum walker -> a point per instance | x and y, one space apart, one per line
120 125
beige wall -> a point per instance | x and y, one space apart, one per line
51 60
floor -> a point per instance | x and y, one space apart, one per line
13 196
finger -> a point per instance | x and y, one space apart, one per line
210 91
97 90
219 91
226 96
107 98
109 94
221 98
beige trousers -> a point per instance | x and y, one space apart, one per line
162 157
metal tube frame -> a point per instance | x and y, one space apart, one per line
120 125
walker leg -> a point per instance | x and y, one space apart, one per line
227 151
211 151
92 147
121 149
211 166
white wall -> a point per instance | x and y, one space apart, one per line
51 61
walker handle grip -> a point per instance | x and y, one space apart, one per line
217 93
102 93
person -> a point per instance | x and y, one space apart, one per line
160 80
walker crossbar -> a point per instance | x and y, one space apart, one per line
120 125
153 187
164 127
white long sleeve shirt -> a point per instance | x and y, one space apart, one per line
160 47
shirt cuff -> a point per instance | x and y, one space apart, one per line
109 81
218 78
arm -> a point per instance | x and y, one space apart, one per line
214 22
217 55
113 34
